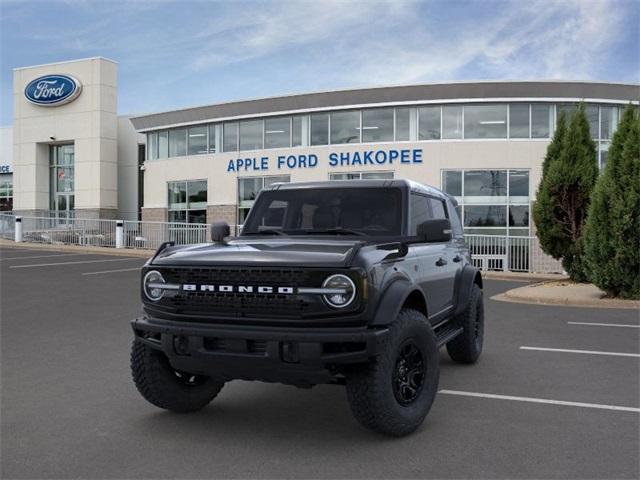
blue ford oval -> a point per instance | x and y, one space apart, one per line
52 90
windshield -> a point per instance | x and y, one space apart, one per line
332 211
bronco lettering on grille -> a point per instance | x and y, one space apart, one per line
192 287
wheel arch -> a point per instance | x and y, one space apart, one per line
469 277
400 294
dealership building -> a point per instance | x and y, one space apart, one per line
483 142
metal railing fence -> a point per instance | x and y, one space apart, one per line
152 234
7 226
69 231
489 252
515 254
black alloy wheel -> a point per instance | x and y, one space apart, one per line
408 374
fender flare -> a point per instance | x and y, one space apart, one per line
392 300
470 275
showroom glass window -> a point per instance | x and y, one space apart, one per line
377 125
541 120
592 112
212 138
320 129
485 121
251 135
188 201
608 121
61 180
429 123
6 192
277 132
197 140
519 120
163 144
248 189
567 108
230 137
178 142
361 176
452 121
403 124
296 131
491 202
345 127
152 146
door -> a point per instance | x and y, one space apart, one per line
429 263
62 181
449 258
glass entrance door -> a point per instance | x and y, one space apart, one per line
62 175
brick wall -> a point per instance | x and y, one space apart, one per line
217 213
154 214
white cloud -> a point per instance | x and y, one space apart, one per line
256 30
539 39
400 42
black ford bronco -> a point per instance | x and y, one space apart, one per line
357 283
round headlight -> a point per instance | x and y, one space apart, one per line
343 291
151 285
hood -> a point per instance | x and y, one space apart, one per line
289 251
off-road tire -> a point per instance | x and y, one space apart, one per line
162 386
370 388
467 347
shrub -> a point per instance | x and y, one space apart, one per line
612 233
563 198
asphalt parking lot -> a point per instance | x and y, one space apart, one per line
564 406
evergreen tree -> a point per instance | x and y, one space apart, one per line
563 197
555 147
543 211
612 233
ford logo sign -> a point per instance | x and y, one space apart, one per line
53 90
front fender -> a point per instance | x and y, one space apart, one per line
392 300
470 275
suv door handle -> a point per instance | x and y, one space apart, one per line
441 262
457 258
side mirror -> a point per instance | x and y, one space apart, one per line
435 230
219 231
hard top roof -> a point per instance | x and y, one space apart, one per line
377 183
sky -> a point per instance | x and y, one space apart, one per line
176 54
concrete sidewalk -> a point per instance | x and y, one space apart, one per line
567 293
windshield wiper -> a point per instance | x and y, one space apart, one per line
336 231
266 231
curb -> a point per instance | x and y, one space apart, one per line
513 296
523 276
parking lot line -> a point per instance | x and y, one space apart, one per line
588 352
75 263
42 256
113 271
540 400
604 324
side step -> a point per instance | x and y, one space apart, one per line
447 333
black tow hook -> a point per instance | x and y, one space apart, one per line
181 345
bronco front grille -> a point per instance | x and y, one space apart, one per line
244 304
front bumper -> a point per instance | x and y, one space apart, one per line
299 356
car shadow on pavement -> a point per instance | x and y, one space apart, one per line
279 413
